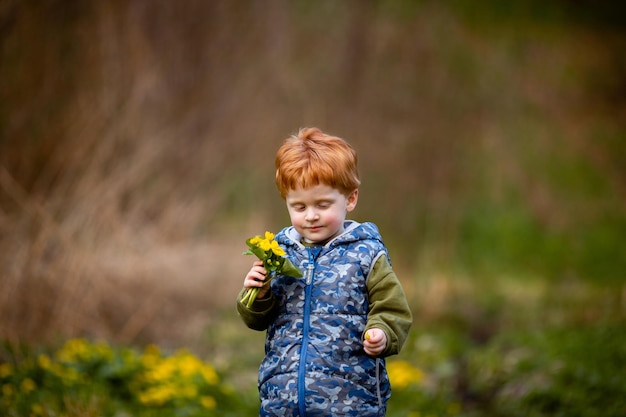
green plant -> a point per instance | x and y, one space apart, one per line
574 372
83 376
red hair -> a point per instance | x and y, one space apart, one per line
312 157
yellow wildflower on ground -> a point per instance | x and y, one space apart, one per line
77 350
37 410
158 395
454 408
73 350
188 364
69 376
28 385
151 356
402 374
44 361
208 402
6 369
209 374
101 350
161 371
170 378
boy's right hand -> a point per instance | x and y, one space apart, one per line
256 278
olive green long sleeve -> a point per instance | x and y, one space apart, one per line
389 308
261 312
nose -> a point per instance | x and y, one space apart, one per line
310 215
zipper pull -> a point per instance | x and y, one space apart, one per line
313 253
309 274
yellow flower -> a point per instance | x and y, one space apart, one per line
7 390
44 361
265 245
275 247
28 385
208 402
162 371
402 374
68 375
5 370
454 408
188 364
209 375
153 350
151 356
157 395
101 350
74 349
37 410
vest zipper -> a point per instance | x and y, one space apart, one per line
305 334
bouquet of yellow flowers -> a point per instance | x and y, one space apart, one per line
274 261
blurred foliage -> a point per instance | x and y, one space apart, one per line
560 372
507 239
92 378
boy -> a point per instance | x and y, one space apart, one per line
329 332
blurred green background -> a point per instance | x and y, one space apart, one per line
137 143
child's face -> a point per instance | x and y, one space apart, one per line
318 212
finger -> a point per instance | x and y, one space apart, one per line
381 338
257 280
373 336
254 279
371 352
260 271
372 347
261 275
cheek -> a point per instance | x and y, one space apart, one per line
295 217
334 217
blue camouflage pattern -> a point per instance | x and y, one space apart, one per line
315 364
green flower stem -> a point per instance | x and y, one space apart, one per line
251 294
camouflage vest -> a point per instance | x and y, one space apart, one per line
314 363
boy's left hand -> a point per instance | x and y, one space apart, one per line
375 341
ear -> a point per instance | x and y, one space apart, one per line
353 198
